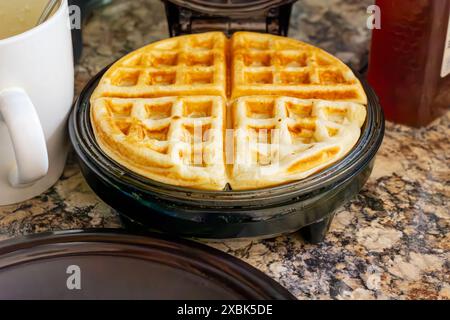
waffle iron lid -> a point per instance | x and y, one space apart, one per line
110 264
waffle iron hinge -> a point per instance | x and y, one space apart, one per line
183 20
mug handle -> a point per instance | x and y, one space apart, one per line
27 137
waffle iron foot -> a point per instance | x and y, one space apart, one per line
316 232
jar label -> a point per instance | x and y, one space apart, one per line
446 61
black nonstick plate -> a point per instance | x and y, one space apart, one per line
109 264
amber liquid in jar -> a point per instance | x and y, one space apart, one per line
410 60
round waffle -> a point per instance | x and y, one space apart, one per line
202 111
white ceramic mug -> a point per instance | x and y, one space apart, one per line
36 94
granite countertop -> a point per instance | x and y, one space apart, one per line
391 241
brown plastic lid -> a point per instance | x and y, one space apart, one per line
110 264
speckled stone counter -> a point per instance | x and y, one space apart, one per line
391 242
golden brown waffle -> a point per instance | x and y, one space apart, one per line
177 141
161 111
281 139
186 65
273 65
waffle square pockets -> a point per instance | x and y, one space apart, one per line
187 65
282 66
175 140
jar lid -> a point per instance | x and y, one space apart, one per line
110 264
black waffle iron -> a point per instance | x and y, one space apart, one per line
307 206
